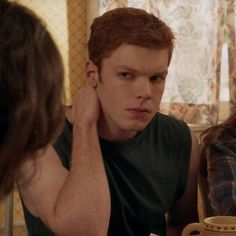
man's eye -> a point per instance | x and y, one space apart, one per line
125 75
156 78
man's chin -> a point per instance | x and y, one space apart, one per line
138 127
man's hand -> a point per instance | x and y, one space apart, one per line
86 107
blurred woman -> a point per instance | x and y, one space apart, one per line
219 156
31 83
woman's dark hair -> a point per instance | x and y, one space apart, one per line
219 139
31 82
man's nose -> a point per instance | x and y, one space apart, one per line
144 88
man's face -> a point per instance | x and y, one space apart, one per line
130 88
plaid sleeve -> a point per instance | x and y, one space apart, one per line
222 184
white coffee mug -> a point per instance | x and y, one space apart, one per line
213 226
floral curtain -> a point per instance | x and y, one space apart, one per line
201 27
230 31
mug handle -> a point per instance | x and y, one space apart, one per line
191 228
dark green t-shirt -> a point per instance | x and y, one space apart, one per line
146 175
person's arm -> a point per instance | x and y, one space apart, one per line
185 210
222 183
75 202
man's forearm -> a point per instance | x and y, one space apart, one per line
83 204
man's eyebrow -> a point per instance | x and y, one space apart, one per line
164 72
125 67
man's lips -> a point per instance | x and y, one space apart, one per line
139 113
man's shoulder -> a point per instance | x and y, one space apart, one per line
170 129
165 121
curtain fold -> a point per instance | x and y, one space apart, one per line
231 17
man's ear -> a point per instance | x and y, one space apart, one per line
92 75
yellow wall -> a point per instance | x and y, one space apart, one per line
66 20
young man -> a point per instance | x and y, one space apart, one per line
119 167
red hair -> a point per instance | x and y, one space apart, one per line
127 26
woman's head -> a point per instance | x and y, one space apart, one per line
31 82
220 138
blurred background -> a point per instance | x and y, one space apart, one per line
201 84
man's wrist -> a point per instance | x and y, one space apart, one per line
84 126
